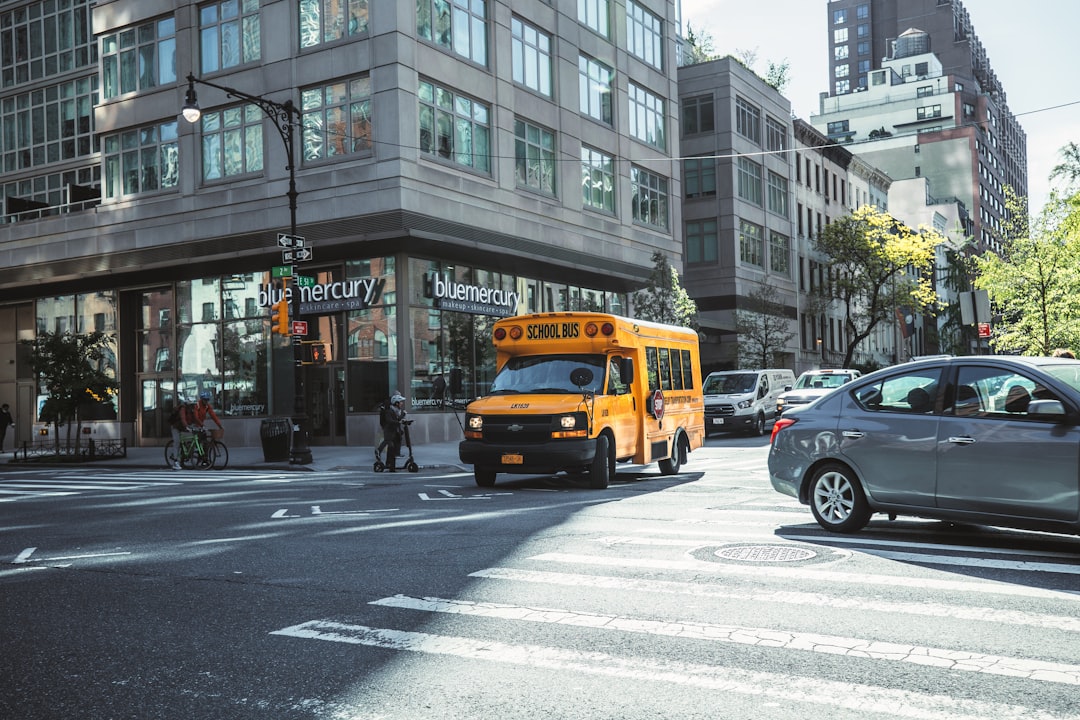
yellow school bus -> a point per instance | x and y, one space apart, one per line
580 391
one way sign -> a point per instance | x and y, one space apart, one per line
285 240
296 255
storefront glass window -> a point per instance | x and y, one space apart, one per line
244 356
371 337
56 314
198 336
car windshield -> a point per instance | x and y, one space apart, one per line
821 380
548 374
740 383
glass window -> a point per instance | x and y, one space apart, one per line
863 48
229 34
646 116
597 180
701 245
43 38
531 51
839 17
232 142
141 161
649 198
595 80
778 194
371 338
775 134
644 34
747 120
697 115
840 35
699 177
323 21
751 244
840 52
780 254
458 25
749 181
336 119
454 127
38 128
594 15
862 12
914 392
138 58
534 157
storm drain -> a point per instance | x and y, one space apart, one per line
766 553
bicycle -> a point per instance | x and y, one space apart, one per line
199 451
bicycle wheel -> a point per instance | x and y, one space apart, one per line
170 453
221 455
207 457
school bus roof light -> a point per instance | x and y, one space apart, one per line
500 333
516 332
607 329
591 329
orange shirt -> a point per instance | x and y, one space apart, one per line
202 409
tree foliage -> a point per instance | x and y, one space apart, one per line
1034 286
876 264
763 329
663 299
71 372
699 46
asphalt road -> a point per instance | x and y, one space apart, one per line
141 593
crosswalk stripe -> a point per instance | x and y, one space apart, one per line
791 597
946 659
989 587
866 699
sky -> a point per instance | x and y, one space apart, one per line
1039 77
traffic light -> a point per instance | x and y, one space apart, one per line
279 316
316 353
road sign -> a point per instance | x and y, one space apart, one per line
280 271
299 327
305 281
290 241
984 330
302 254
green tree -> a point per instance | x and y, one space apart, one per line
699 46
876 264
71 370
763 329
1034 286
663 299
778 75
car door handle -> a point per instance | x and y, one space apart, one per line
965 440
854 434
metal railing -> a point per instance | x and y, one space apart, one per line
89 450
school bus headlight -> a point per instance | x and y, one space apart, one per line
574 425
475 422
568 422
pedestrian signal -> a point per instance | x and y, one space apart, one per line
316 353
279 317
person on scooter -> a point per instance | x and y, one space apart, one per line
390 419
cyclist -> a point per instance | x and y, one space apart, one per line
181 420
204 409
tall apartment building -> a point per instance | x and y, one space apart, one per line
738 208
912 89
454 162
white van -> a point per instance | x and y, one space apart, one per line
743 400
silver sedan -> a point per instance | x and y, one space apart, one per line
987 439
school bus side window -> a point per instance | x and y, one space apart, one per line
676 370
687 370
653 368
665 369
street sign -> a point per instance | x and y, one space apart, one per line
288 256
299 327
305 281
302 254
984 330
280 271
285 240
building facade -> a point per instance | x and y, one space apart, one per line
454 163
912 89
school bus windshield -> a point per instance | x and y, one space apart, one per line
548 374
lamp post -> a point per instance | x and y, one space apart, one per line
286 118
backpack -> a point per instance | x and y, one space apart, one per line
385 416
174 415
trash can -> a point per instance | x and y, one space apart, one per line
276 434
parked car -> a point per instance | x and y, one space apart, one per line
743 400
812 384
989 440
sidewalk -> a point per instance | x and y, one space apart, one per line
324 458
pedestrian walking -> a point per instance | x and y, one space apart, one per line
6 420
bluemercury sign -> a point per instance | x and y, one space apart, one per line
354 294
461 297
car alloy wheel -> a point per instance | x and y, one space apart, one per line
837 500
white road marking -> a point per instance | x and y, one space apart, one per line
958 660
816 691
828 576
792 597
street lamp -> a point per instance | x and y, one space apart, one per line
286 118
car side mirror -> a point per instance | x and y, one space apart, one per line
787 388
1045 408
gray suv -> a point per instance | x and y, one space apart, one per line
812 384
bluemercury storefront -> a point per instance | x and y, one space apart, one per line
416 325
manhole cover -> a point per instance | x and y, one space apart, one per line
766 553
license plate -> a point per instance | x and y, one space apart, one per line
509 459
718 421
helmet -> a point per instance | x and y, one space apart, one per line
397 397
205 395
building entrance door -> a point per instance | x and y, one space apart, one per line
158 396
324 396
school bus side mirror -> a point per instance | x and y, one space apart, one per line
626 370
